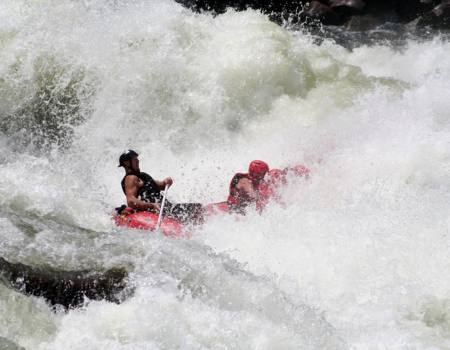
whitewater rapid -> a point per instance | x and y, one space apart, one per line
357 255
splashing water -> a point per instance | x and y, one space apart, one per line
355 258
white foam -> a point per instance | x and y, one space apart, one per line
363 241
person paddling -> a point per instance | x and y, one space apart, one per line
144 193
249 188
260 185
277 178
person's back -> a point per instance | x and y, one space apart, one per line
245 188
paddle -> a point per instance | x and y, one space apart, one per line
158 223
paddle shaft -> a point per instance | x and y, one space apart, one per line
158 223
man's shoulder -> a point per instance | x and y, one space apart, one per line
130 178
240 176
145 177
241 179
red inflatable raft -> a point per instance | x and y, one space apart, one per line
146 220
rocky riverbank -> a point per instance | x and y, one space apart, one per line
66 288
355 15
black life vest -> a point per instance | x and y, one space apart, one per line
149 192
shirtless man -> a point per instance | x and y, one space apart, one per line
144 193
247 188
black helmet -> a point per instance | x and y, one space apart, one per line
128 155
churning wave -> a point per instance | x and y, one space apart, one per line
356 256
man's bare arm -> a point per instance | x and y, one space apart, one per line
162 183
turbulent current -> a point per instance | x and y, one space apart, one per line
357 257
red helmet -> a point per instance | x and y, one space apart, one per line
257 169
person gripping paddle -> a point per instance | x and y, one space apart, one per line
145 193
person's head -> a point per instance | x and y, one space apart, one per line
257 170
129 160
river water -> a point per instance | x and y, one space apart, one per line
357 257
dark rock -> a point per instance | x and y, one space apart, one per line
383 10
266 6
362 23
66 288
337 12
438 18
278 11
347 8
318 11
281 7
409 10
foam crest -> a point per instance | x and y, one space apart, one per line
199 97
